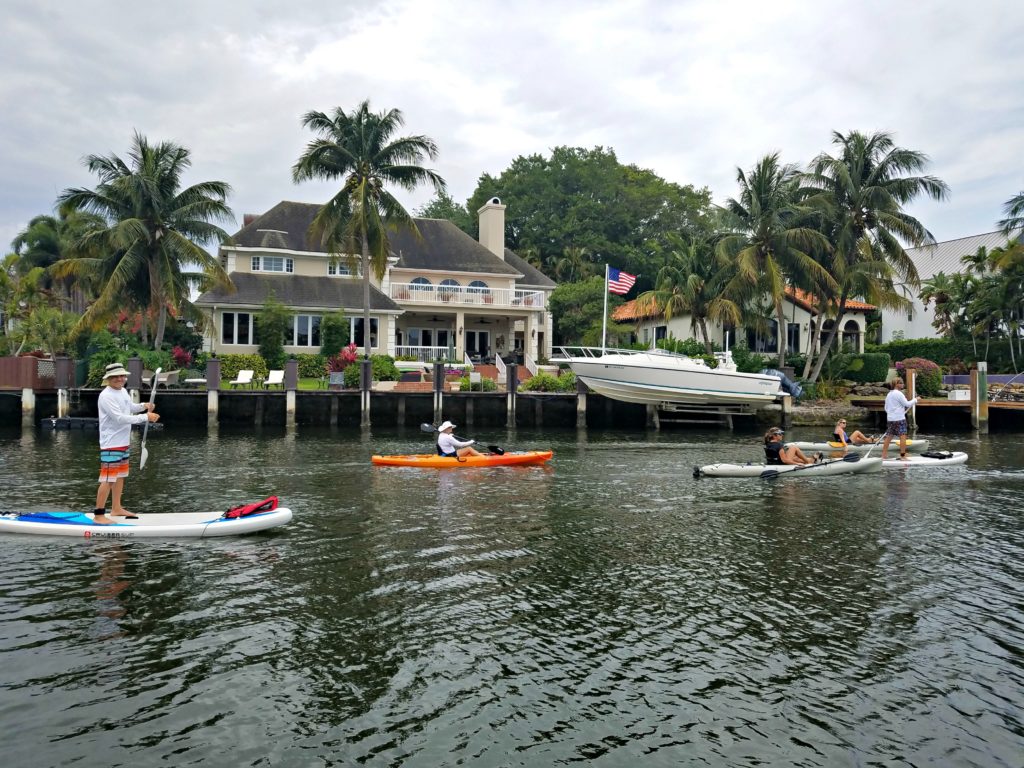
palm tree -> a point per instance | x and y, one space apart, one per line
773 243
939 289
691 282
152 232
1014 209
862 191
47 240
573 266
361 149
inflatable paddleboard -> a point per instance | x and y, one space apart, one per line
433 461
848 465
933 459
157 525
914 446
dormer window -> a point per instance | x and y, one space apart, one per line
272 264
339 269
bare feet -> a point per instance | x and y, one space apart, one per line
103 520
125 513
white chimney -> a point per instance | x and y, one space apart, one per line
492 227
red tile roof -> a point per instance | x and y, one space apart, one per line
629 312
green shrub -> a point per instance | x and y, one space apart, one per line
230 365
334 333
383 367
690 347
929 375
869 367
311 366
484 385
274 322
747 361
545 382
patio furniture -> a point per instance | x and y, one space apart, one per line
274 379
244 379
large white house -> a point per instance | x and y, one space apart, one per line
443 296
916 323
800 317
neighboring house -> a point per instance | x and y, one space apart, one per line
443 296
916 323
800 315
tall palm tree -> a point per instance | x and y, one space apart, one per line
939 289
574 265
773 242
361 149
49 239
691 282
153 231
1014 209
862 191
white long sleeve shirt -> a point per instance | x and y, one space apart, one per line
448 444
897 405
117 414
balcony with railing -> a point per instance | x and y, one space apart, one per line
466 296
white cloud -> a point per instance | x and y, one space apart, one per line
690 90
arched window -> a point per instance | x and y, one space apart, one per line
421 284
448 288
851 335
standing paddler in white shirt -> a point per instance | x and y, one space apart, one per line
896 407
117 414
449 445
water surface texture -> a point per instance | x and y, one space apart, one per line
605 610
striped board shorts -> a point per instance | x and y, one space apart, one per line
896 428
113 464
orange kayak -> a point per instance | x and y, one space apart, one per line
509 458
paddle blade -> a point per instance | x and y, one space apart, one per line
428 428
143 455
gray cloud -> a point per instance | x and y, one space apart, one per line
690 89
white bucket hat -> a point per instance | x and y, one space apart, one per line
114 369
445 425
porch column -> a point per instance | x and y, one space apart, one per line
460 336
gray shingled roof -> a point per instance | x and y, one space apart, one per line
945 256
298 292
443 246
532 276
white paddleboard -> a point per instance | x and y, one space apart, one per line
196 525
852 464
914 461
915 446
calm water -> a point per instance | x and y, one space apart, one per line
606 610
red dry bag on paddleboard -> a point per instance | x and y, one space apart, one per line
269 504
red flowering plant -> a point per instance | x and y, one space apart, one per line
182 357
343 359
929 375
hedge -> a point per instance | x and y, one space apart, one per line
867 368
230 365
942 350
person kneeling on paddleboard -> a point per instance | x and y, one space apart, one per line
776 452
449 445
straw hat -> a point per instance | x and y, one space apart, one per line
114 369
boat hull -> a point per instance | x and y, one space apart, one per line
653 380
847 466
433 461
189 525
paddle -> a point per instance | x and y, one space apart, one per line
496 450
771 474
144 454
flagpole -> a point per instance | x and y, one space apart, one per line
604 317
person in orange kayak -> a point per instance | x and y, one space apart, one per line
449 445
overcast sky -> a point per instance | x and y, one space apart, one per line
690 89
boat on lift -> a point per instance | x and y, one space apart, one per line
669 380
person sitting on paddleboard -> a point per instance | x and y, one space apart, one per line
776 452
840 435
449 445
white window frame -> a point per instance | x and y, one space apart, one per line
374 331
259 264
234 329
341 269
314 338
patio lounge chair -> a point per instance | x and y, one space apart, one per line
274 379
244 379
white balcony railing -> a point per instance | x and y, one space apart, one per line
425 354
463 296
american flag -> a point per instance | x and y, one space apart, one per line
620 282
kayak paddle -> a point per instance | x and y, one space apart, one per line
144 454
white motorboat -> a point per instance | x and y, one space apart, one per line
665 379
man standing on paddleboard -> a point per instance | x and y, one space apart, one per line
896 407
117 414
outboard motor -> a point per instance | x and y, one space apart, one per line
787 384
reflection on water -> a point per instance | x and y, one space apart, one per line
606 608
